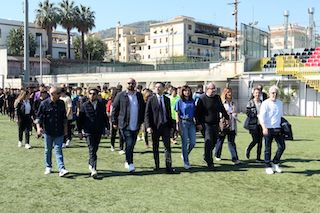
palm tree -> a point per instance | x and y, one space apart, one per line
47 18
67 13
85 24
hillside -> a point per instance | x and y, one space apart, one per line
143 27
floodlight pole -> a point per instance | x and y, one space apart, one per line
26 45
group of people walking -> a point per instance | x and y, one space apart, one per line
157 113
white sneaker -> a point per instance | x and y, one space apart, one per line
27 146
64 145
90 168
269 171
121 152
217 159
131 167
47 170
19 144
187 166
276 168
182 157
237 162
112 149
68 143
63 172
94 173
126 165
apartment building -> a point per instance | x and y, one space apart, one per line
179 37
297 36
59 43
7 25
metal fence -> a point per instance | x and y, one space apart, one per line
107 68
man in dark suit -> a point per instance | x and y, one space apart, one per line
158 122
127 115
263 95
92 122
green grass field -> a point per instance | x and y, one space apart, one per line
245 188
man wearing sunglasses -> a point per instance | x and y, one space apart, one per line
92 122
52 121
128 115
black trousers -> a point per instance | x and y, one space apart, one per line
93 141
210 139
164 132
69 133
24 125
256 140
113 138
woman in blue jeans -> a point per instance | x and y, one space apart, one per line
185 109
230 107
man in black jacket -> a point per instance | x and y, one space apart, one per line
158 122
208 112
92 122
127 115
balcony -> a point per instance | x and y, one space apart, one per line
198 43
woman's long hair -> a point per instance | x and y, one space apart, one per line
21 97
182 96
224 93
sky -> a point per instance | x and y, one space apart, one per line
218 12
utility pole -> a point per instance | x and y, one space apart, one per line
235 14
26 44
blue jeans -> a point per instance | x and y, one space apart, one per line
277 135
188 138
231 144
130 138
49 141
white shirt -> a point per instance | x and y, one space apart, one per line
27 107
94 104
230 108
134 111
271 113
68 104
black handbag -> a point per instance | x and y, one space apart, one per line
251 123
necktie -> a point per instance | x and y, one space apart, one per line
161 111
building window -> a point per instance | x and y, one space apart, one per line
149 47
213 43
62 54
199 51
154 41
0 33
167 39
148 56
38 35
189 27
160 40
189 40
203 41
160 51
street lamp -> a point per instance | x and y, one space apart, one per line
26 44
40 54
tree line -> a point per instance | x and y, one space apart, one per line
69 16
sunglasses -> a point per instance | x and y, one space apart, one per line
92 93
132 83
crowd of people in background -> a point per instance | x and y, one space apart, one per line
165 111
